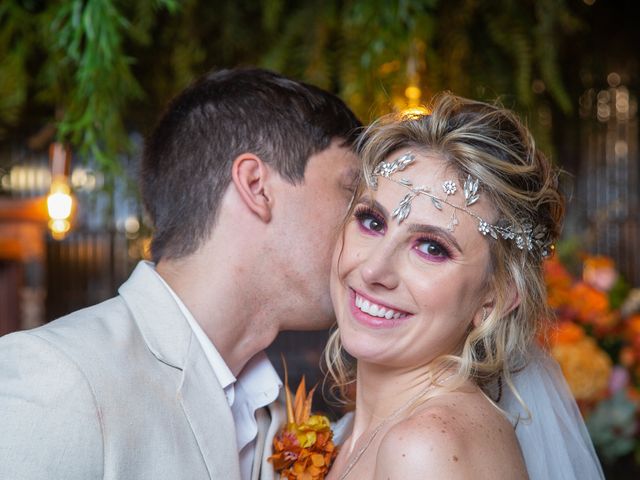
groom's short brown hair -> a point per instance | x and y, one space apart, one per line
186 165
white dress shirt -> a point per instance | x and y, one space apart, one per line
257 386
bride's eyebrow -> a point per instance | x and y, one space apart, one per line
370 202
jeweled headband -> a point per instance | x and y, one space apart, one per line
526 236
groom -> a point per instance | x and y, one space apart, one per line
245 178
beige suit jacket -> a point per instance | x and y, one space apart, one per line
120 390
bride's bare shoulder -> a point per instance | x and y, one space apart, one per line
454 436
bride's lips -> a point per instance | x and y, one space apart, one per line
372 321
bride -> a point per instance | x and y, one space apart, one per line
438 291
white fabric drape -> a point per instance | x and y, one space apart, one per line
554 439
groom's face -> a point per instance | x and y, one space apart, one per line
315 210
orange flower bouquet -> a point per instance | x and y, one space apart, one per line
303 449
596 341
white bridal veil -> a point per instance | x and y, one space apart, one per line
554 439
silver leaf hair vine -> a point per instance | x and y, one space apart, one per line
534 239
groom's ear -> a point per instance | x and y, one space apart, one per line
250 176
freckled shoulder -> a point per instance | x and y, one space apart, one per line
454 436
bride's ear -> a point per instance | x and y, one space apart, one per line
512 302
250 176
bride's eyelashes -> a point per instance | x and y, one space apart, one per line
369 220
432 249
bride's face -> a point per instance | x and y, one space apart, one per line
407 293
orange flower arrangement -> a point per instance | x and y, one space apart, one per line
584 300
304 449
596 341
588 303
584 364
600 272
558 281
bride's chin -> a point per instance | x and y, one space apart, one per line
361 348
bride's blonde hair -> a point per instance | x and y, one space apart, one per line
491 144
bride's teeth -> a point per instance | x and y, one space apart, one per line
376 310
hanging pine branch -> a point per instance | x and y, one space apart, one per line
102 67
85 78
92 34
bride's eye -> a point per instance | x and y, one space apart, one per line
432 249
369 220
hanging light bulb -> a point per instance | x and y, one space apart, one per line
413 93
59 201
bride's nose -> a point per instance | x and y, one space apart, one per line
378 267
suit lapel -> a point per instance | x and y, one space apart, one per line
273 419
161 323
171 340
263 419
209 415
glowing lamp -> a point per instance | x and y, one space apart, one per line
60 208
413 93
59 228
59 202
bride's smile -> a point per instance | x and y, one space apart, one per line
374 312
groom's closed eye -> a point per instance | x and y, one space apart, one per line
350 180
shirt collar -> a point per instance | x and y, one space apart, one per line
258 385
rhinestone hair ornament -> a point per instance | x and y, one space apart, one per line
534 239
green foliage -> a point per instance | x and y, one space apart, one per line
13 83
98 68
85 78
612 427
15 51
91 36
